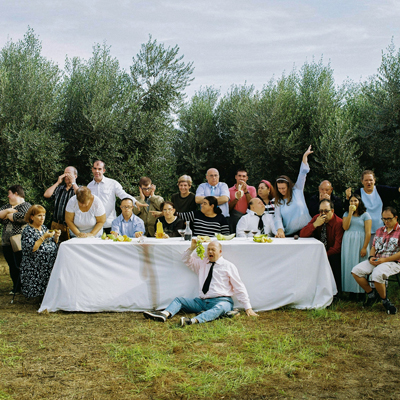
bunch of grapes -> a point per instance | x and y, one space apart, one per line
200 250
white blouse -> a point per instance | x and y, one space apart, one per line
85 221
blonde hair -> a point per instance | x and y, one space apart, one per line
185 178
83 194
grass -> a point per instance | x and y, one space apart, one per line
286 353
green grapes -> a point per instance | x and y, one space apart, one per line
200 250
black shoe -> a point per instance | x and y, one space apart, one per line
389 306
232 314
371 300
155 316
186 321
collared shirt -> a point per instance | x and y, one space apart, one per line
220 189
61 198
241 204
225 279
250 222
128 228
107 190
334 233
386 243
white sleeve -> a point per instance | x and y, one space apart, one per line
71 205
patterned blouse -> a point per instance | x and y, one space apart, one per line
11 228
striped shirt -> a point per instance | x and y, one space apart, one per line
206 226
270 207
61 198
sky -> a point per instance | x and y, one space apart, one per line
230 42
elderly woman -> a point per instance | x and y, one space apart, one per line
39 251
171 223
12 216
209 221
291 212
184 201
85 214
266 193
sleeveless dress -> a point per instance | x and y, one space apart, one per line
352 243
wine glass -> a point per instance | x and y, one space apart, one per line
182 233
254 232
246 232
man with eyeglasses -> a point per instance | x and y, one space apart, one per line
383 261
127 223
153 203
107 190
327 227
213 187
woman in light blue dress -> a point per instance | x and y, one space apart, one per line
355 244
291 212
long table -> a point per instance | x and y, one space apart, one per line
94 275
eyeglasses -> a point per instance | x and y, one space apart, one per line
126 207
324 211
387 219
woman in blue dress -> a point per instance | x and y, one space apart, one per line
291 212
355 244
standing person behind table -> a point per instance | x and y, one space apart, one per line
266 193
213 187
39 252
107 190
257 219
218 281
170 221
327 228
240 195
374 197
185 200
355 244
128 223
291 212
153 203
12 217
85 214
61 195
325 191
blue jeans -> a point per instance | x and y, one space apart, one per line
210 309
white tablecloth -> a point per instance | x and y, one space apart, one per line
95 275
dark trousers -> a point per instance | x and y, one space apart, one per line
14 262
336 265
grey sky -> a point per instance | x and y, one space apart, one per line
229 41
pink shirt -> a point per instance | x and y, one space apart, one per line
241 205
225 279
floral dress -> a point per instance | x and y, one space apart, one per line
36 265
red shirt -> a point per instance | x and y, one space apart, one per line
334 233
241 205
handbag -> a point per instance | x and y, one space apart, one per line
16 243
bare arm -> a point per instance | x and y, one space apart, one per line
41 240
99 224
69 219
367 227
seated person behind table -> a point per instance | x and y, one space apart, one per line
128 223
257 219
85 214
184 201
153 201
170 222
218 279
209 221
325 190
327 227
383 261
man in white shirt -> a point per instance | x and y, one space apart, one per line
213 187
256 220
107 190
218 279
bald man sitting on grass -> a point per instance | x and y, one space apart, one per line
218 279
